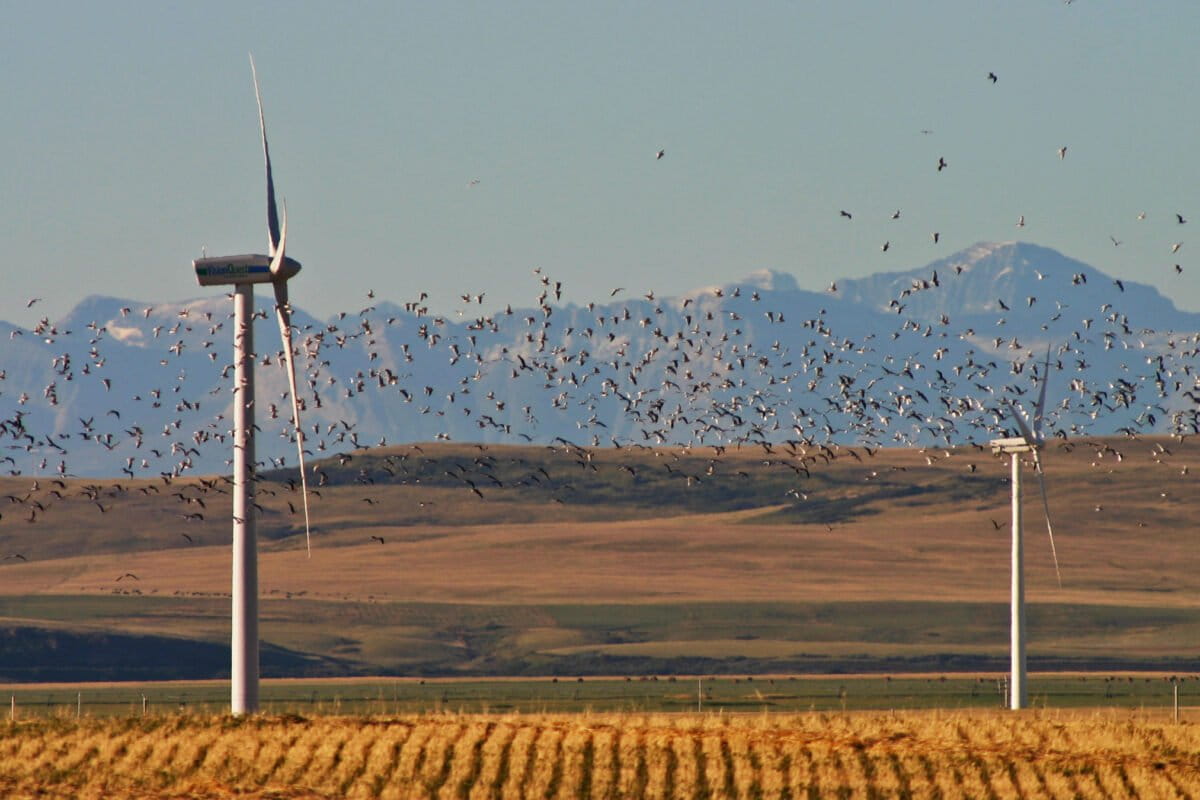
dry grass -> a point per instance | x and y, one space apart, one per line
606 756
522 546
941 525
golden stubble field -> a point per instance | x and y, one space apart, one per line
930 754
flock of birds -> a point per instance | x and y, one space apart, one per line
715 369
720 376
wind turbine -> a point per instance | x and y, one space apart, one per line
243 272
1031 440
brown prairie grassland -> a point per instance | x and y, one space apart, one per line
476 756
444 582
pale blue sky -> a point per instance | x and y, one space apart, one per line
130 140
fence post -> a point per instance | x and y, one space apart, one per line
143 705
78 705
1175 687
12 713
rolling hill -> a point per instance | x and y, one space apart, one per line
448 559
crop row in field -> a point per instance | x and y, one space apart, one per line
605 756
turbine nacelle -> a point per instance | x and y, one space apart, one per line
1015 444
1031 435
247 268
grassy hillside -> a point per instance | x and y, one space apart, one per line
460 559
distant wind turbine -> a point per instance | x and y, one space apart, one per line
1031 440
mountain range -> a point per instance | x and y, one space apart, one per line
932 356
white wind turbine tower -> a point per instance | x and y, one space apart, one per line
242 272
1031 440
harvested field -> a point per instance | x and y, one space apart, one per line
934 754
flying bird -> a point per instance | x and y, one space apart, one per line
658 156
1062 152
941 164
1180 218
992 77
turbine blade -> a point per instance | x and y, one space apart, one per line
1037 463
1040 408
283 314
273 235
1026 434
278 253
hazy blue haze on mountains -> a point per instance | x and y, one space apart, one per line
1015 271
889 359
